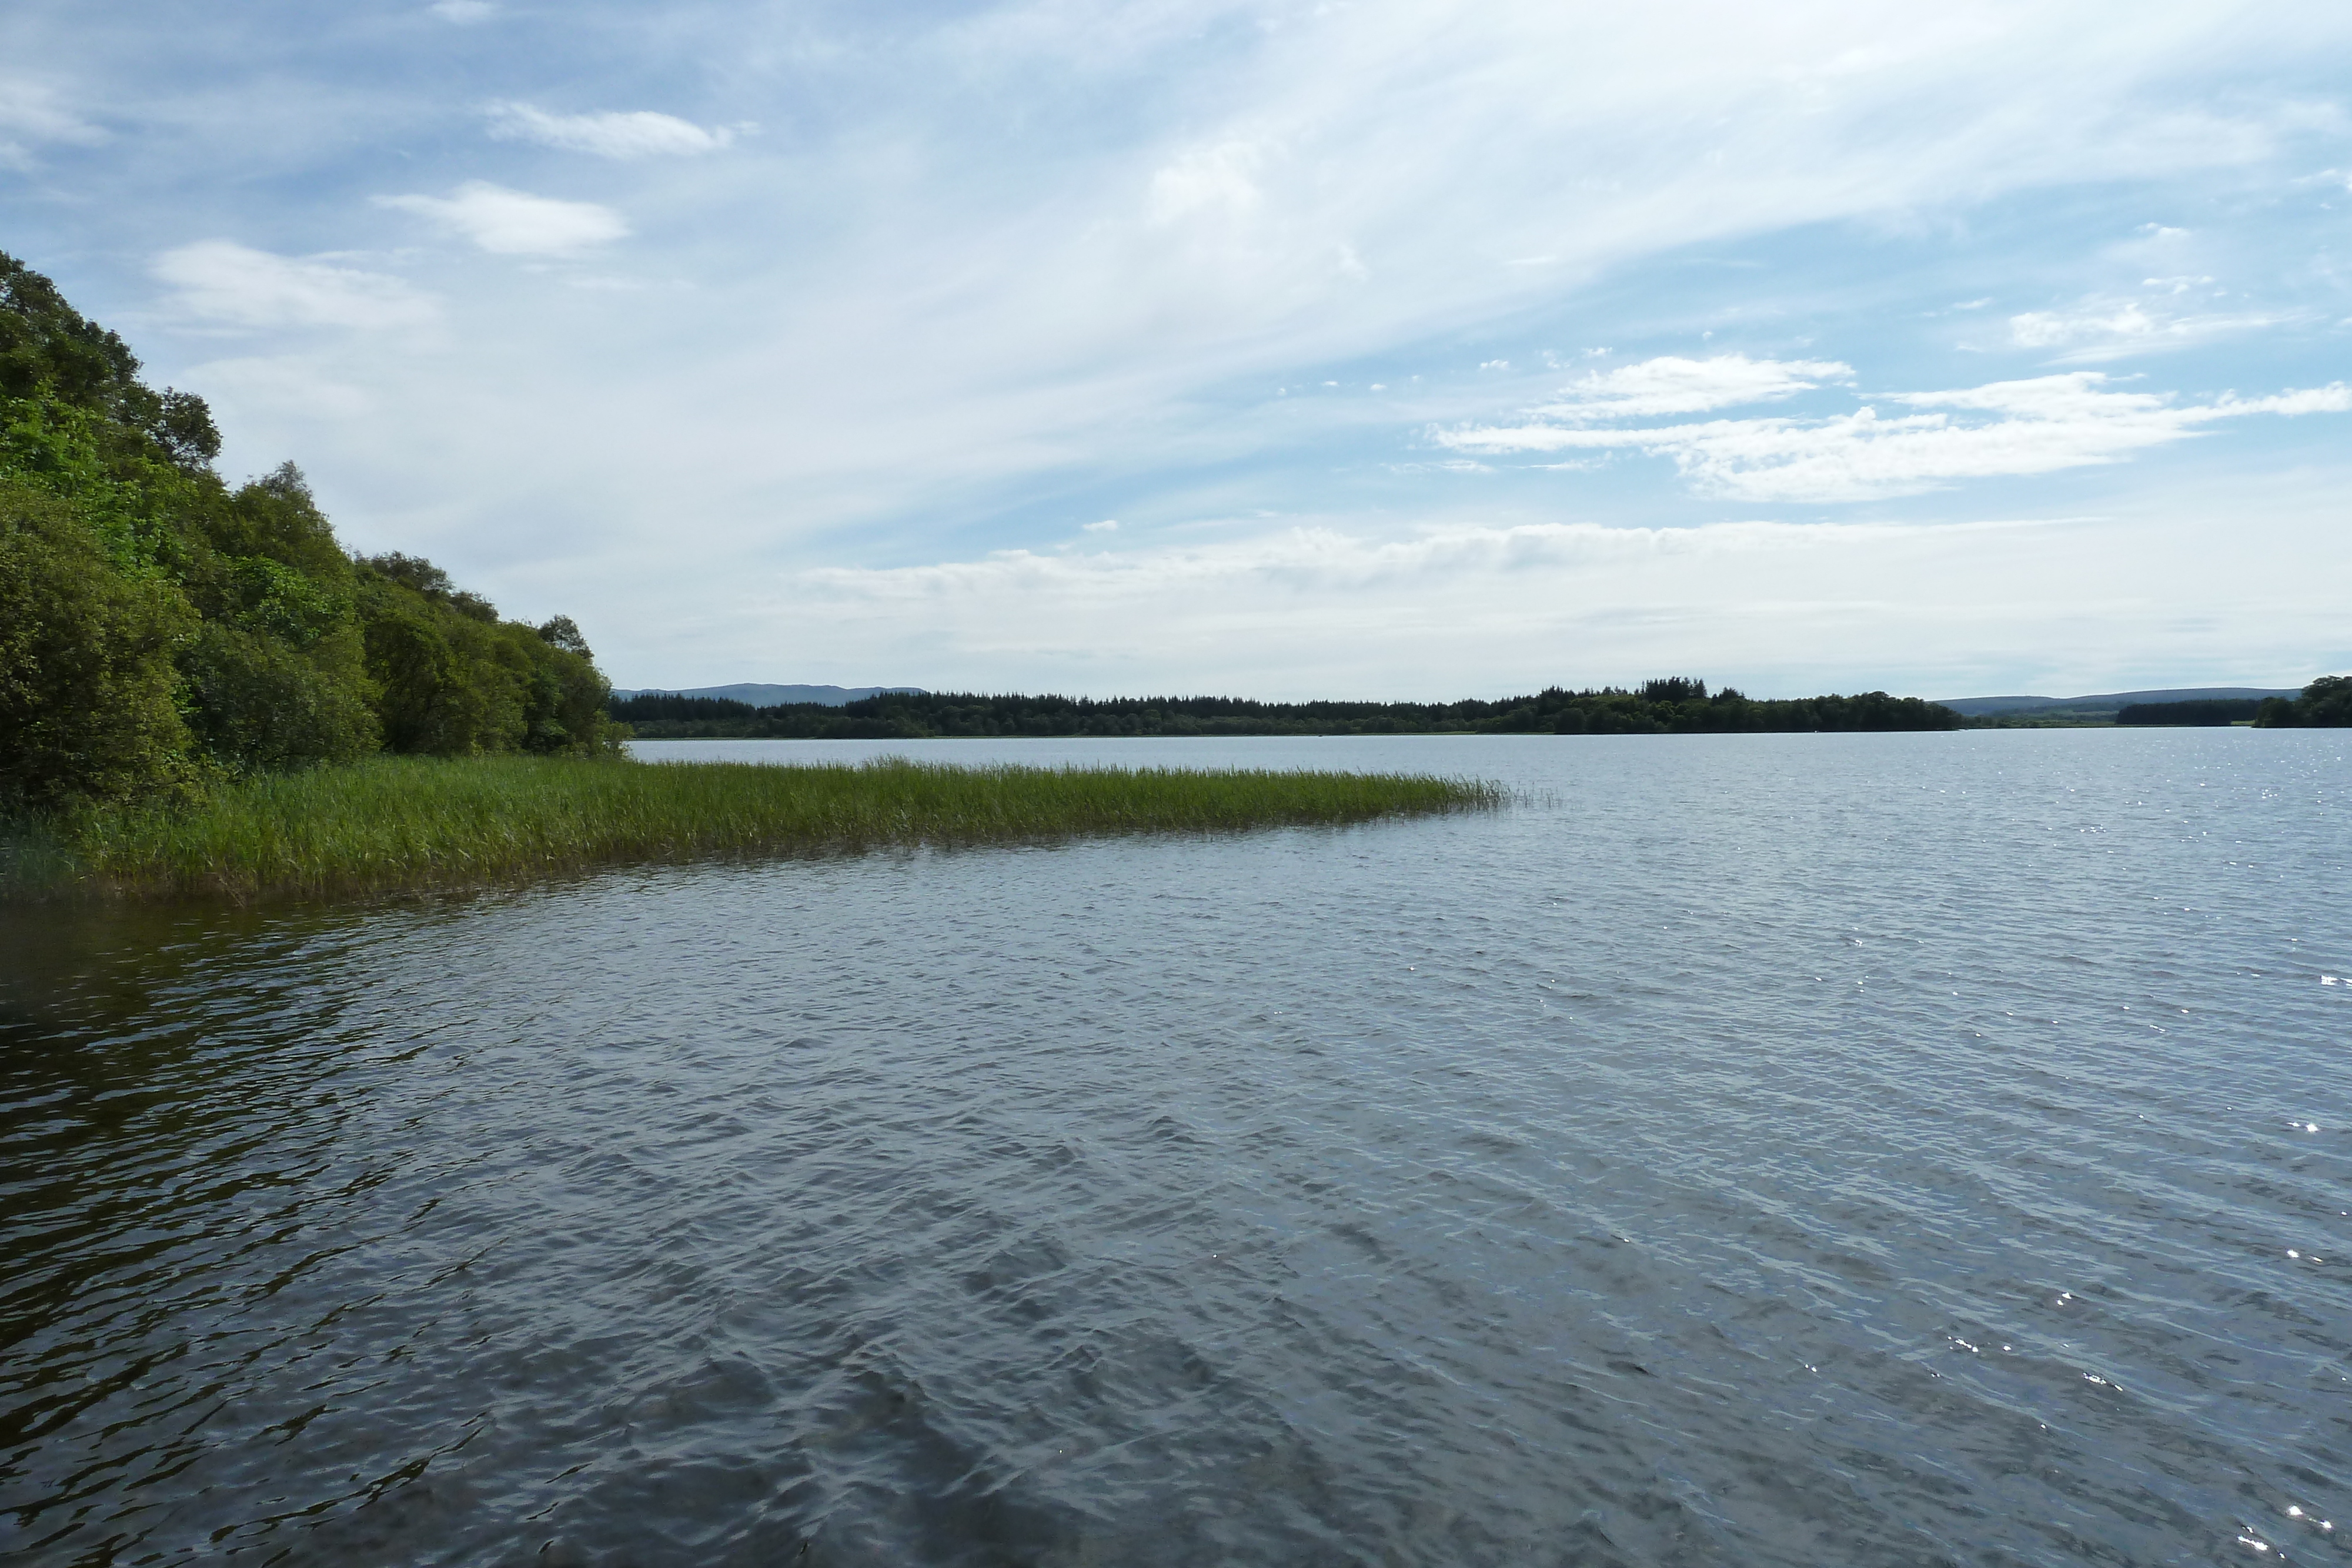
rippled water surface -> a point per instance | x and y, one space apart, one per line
1757 1150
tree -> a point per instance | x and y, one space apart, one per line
160 629
87 678
2326 703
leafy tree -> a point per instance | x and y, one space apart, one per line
87 679
162 628
2326 703
452 679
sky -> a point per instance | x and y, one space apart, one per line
1338 350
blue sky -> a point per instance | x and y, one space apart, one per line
1348 350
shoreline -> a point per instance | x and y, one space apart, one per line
407 824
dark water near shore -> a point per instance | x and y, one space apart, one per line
1764 1150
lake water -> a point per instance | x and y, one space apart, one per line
1750 1150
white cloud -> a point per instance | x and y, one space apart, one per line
464 12
32 114
2049 329
2036 426
1109 525
1217 180
221 281
944 306
1670 384
511 222
639 134
1333 557
2109 330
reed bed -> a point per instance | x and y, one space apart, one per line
396 823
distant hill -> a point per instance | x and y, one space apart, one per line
762 696
2107 702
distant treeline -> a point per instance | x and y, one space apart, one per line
162 631
1673 706
2206 711
2326 703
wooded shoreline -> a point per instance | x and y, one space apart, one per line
1675 705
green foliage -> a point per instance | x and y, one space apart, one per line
647 710
2326 703
88 686
454 681
399 823
46 345
2203 711
1676 707
223 632
259 703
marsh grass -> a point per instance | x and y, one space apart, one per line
408 823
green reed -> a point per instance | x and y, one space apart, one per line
404 822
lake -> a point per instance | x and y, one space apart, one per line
1875 1149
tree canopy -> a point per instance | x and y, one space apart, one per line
1672 707
2326 703
160 628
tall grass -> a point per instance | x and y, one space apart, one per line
398 823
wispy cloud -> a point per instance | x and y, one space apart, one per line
1338 557
2003 430
2110 329
639 133
32 115
222 282
1217 180
512 222
1023 264
1670 384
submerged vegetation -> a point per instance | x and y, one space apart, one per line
393 823
1672 707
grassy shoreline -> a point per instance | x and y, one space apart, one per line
394 825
